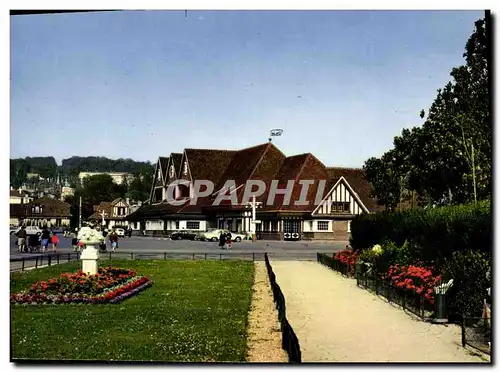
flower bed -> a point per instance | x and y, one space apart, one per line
109 285
348 257
417 279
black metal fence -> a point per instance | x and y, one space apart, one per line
334 264
408 300
42 260
29 262
290 342
476 333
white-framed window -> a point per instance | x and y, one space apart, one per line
193 225
323 225
311 225
177 225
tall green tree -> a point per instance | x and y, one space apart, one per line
453 148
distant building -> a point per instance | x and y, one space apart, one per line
67 191
31 176
113 213
40 212
118 177
19 196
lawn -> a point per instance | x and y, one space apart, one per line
195 311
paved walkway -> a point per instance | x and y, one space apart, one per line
337 321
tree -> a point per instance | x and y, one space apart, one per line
19 169
385 178
140 185
447 160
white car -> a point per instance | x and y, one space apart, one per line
213 235
120 232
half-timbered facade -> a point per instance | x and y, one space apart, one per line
343 194
111 214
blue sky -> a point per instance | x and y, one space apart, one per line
142 84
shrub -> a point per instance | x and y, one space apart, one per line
368 255
433 234
468 271
418 279
348 257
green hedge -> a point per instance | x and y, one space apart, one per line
434 234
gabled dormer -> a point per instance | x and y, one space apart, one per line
340 200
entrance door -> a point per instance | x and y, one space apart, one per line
291 229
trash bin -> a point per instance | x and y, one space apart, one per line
440 316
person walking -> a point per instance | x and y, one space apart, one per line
45 239
229 240
130 232
222 240
74 242
113 238
21 239
55 242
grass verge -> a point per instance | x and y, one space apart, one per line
195 311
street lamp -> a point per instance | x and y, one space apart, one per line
254 205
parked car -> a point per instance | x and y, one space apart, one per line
184 235
120 232
236 237
213 235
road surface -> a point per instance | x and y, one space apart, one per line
148 247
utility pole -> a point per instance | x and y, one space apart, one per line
80 215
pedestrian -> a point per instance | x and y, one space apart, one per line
21 239
130 232
113 238
45 239
229 239
74 243
55 241
222 240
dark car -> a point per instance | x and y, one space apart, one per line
184 235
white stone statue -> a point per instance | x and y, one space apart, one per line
90 238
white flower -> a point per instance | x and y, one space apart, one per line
377 248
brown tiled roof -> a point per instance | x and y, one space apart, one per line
208 164
296 168
356 179
243 164
153 211
50 208
163 166
18 193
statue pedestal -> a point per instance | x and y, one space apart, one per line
89 258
